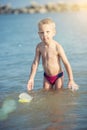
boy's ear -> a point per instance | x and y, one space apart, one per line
55 31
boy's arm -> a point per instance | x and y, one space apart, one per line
33 69
67 65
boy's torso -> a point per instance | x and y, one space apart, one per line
50 58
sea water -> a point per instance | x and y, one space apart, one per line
62 110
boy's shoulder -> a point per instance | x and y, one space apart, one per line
57 44
39 45
59 47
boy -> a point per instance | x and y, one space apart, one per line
51 53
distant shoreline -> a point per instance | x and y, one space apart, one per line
37 8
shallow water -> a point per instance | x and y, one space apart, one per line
47 110
63 110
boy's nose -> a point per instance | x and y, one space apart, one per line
45 34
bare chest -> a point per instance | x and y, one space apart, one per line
49 53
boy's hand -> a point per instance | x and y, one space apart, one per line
30 84
73 86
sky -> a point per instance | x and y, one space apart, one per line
23 3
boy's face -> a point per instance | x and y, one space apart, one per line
46 32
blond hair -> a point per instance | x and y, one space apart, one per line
46 21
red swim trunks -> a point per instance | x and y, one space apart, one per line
52 79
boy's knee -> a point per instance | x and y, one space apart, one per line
59 84
47 87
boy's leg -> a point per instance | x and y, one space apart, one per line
46 84
59 83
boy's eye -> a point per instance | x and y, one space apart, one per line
41 32
44 32
47 31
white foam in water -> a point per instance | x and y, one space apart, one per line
7 107
24 97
